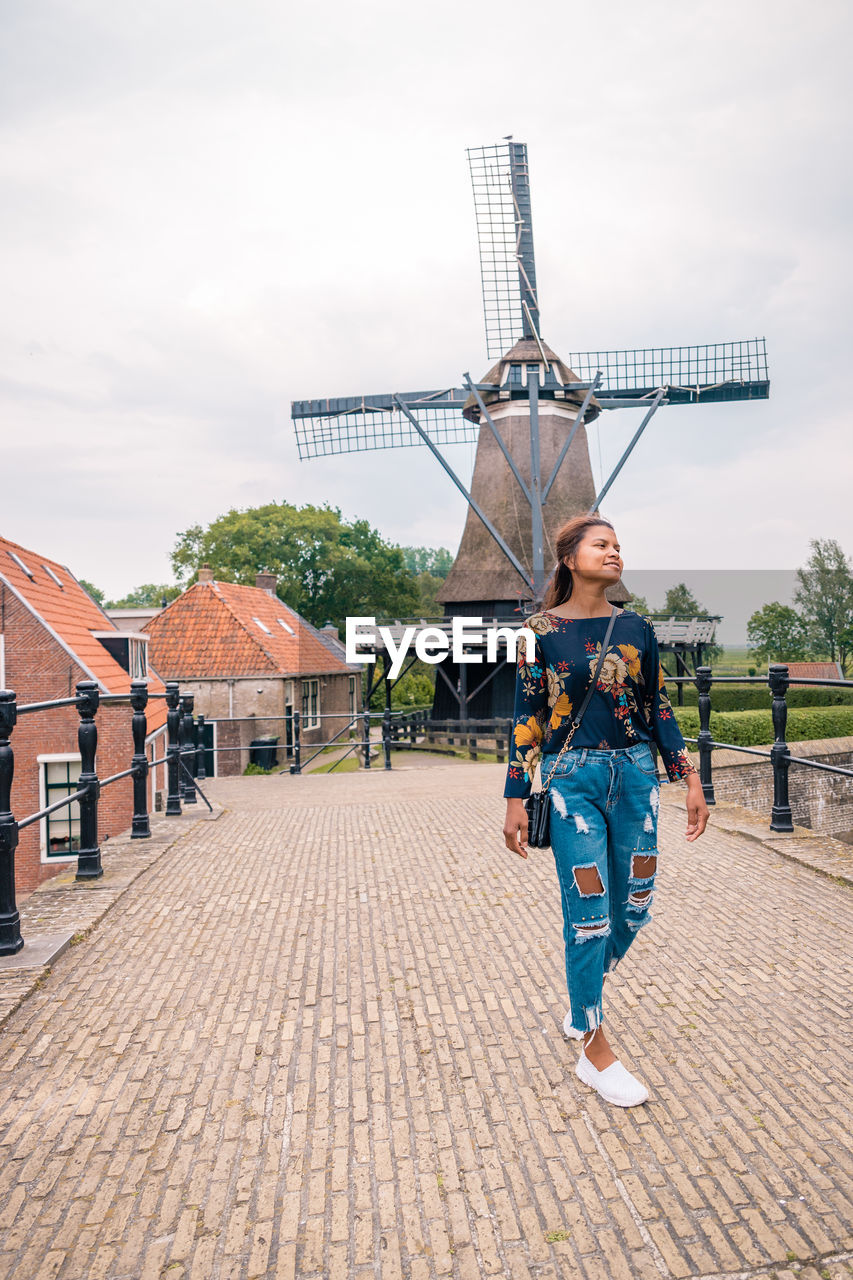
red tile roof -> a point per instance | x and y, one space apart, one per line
814 670
54 596
220 629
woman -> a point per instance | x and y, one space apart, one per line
604 789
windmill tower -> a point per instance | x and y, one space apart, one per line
528 417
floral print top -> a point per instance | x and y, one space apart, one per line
630 703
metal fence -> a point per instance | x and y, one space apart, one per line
182 771
400 730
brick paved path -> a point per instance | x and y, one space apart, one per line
321 1037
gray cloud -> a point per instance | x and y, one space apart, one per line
209 210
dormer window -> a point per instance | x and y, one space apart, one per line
19 562
128 650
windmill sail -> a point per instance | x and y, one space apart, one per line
501 183
705 374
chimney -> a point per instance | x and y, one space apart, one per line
267 582
205 573
330 630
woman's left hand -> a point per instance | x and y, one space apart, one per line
697 809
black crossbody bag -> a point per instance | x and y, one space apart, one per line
538 803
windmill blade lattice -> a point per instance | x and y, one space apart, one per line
501 182
705 374
353 424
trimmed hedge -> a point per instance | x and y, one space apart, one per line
755 728
755 697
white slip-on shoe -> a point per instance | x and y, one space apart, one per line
614 1084
569 1030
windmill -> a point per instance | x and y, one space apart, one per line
528 417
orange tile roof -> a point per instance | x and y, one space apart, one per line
56 598
220 629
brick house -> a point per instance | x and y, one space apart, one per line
251 661
52 634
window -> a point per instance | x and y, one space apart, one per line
50 572
287 627
310 704
138 659
61 830
353 708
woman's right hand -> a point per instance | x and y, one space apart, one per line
515 826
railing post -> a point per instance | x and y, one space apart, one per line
296 743
140 828
188 795
10 921
781 818
365 736
89 854
704 739
386 736
173 749
200 768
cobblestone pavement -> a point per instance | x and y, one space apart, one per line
321 1037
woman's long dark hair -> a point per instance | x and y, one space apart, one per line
568 538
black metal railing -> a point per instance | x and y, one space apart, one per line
181 760
780 756
475 736
186 750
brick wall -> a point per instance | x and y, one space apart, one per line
820 801
38 669
246 708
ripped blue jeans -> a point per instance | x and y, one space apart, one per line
604 817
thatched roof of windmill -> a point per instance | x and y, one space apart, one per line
526 351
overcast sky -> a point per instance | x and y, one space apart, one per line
211 208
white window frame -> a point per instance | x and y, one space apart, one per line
310 721
61 757
157 741
137 657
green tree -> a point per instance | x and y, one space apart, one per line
95 592
639 604
326 568
777 633
428 606
824 598
436 561
681 601
414 689
148 596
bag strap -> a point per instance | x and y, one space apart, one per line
577 719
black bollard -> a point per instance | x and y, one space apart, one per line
89 854
780 754
140 828
386 737
200 769
296 744
10 921
703 685
188 795
173 749
365 728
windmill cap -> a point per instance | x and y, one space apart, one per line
554 384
